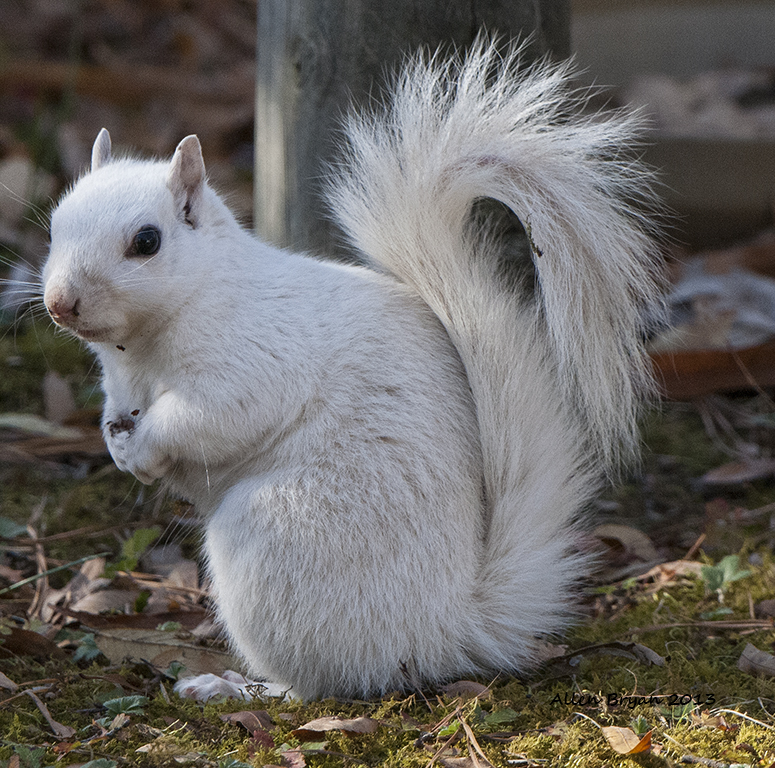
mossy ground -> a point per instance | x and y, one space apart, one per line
553 717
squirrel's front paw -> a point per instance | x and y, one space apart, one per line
132 453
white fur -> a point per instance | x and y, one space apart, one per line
390 462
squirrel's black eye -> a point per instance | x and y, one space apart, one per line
146 242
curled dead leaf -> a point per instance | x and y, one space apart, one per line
756 662
706 720
252 719
25 642
625 741
636 544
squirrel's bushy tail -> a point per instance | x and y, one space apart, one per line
557 381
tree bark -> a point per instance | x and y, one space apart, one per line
318 57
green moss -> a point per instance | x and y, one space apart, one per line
558 712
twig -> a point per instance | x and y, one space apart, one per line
694 547
448 743
731 624
472 742
749 377
41 586
705 761
31 579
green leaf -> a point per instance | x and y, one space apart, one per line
640 726
501 716
133 548
10 529
450 729
175 669
730 566
128 705
717 614
87 649
29 758
170 626
718 577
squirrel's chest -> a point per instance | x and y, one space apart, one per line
131 385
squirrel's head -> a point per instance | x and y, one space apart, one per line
125 241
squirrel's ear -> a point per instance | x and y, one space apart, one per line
187 177
100 152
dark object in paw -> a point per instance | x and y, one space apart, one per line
124 424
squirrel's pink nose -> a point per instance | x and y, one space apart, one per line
62 309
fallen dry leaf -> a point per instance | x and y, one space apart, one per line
739 472
756 662
665 572
635 543
315 728
161 649
24 642
765 609
625 741
467 689
294 758
707 720
251 719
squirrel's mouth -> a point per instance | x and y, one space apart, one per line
90 334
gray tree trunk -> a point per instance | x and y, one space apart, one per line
316 57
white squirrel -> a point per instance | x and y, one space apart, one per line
391 460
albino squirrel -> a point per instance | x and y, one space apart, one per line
390 460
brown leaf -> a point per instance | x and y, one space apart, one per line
628 649
756 662
712 721
467 689
23 642
262 739
636 544
161 649
625 741
252 719
189 619
315 728
665 572
294 758
739 472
